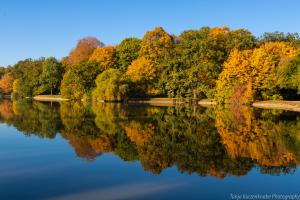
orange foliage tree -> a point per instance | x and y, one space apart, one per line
106 56
6 83
84 48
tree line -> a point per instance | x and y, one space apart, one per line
229 66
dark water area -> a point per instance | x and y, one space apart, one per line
116 151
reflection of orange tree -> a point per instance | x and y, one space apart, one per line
261 140
6 111
80 130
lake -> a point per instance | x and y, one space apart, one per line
117 151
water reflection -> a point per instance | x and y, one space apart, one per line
217 141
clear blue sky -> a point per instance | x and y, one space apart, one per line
35 28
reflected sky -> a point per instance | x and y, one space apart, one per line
116 151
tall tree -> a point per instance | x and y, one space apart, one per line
156 44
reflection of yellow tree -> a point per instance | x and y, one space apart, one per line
138 133
141 133
244 136
81 145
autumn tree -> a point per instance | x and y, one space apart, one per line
110 86
83 50
254 74
127 51
155 45
142 72
105 56
6 83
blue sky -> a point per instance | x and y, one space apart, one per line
36 28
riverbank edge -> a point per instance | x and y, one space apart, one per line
270 104
278 104
49 98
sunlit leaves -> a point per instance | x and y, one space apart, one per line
105 56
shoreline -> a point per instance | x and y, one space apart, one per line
49 98
278 104
269 104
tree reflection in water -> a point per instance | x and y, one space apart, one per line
220 141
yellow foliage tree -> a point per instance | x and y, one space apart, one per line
141 69
248 72
156 44
106 56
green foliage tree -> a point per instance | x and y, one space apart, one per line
79 80
291 75
292 38
50 77
110 86
34 77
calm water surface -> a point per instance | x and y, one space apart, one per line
114 151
